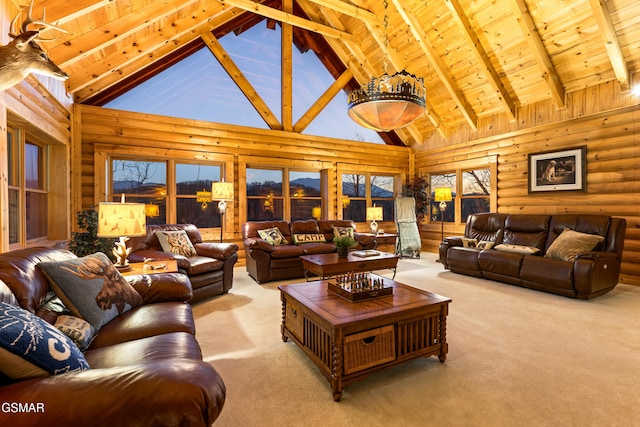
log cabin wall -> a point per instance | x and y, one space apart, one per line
102 131
601 118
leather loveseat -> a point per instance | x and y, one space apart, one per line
266 262
552 253
145 365
210 267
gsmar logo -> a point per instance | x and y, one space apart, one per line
20 407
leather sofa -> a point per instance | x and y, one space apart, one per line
578 274
146 367
266 262
210 270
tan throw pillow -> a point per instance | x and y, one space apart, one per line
570 243
484 244
176 242
469 243
518 249
343 231
273 236
80 331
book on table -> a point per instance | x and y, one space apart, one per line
366 253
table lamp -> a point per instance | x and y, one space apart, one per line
442 195
316 212
121 220
222 191
374 214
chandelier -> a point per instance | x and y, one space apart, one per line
388 102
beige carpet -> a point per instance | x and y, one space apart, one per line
517 357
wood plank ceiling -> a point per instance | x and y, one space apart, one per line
478 57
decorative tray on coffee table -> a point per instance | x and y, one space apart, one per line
360 286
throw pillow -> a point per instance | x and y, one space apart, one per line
519 249
485 244
570 243
343 231
80 331
91 288
469 243
273 236
30 347
176 242
308 238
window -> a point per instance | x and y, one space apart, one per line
28 189
362 190
470 190
145 181
272 197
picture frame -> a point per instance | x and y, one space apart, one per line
558 170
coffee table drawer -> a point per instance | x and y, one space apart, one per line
294 319
369 348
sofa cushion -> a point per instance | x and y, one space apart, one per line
273 235
308 238
571 243
518 249
80 331
30 347
91 288
200 264
318 248
287 251
176 242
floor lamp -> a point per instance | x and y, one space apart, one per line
222 191
443 195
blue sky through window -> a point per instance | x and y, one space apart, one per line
199 88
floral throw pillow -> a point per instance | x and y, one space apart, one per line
343 231
273 236
176 242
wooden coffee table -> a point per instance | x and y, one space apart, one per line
327 265
351 340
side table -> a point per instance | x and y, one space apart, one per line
152 267
385 242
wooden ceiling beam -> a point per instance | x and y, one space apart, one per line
100 38
528 27
611 42
472 38
100 76
241 81
434 58
288 18
348 9
286 70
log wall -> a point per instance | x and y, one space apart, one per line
602 119
103 130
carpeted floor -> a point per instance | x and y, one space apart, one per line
517 357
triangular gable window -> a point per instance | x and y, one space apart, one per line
199 88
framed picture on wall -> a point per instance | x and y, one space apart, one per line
558 170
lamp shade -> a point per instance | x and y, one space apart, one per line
316 212
374 213
222 191
151 210
121 219
442 195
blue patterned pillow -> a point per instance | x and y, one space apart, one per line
30 347
91 287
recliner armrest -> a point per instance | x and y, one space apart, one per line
162 287
216 250
254 243
597 255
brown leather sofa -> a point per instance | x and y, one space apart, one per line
266 262
146 367
590 274
210 271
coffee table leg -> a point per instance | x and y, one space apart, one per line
336 372
284 318
442 334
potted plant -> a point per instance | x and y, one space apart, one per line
343 243
87 242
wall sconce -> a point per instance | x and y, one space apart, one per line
121 220
268 204
374 214
442 195
222 191
203 197
316 212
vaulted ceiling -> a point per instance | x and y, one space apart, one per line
478 57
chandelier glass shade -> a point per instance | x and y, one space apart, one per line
388 102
